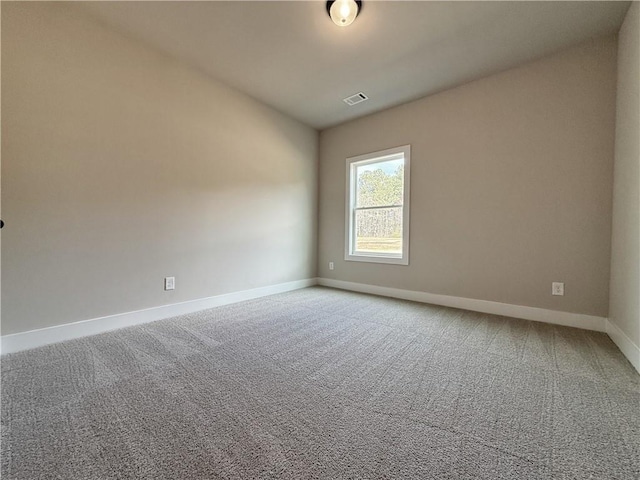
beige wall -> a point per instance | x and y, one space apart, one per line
511 185
625 253
121 166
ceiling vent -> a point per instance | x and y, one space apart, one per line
357 98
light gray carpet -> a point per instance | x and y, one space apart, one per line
321 383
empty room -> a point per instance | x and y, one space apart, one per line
320 240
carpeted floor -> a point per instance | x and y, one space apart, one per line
321 383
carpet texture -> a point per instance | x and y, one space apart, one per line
327 384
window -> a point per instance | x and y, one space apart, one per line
377 214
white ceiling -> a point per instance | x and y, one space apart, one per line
291 56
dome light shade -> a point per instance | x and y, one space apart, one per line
343 12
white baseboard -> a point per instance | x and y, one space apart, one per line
44 336
625 344
567 319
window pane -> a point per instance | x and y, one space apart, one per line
379 230
380 183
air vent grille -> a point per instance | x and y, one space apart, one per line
354 99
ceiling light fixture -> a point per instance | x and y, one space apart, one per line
343 12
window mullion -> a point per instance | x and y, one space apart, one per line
378 207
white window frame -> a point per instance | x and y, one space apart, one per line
352 163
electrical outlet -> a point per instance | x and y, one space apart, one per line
330 265
169 283
557 288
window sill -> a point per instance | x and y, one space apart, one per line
377 259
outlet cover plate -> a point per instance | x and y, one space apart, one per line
557 288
